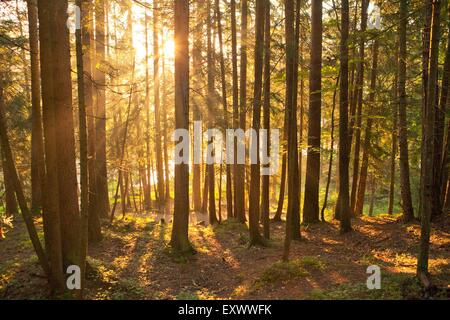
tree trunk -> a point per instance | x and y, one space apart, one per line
65 139
87 41
10 198
358 104
179 240
368 135
158 154
235 98
84 174
344 149
146 180
254 196
211 101
37 142
330 163
100 123
51 213
265 202
239 196
428 143
197 76
408 213
229 191
311 200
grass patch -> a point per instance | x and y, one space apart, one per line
283 271
393 287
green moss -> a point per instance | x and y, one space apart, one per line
283 271
393 287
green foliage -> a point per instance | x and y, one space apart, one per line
283 271
393 287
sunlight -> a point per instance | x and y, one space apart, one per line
169 47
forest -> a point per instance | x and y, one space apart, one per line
224 149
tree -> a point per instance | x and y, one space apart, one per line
408 213
357 102
37 142
368 134
428 142
254 194
229 192
265 201
84 173
100 103
197 77
239 196
211 102
235 102
394 140
311 200
179 240
344 207
87 42
158 153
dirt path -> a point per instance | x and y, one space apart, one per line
134 262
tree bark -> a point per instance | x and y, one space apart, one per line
179 240
37 142
311 199
428 143
239 197
254 194
408 213
358 105
158 154
344 150
229 191
368 135
100 123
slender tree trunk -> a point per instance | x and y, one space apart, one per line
368 135
239 197
330 162
10 198
372 195
254 197
158 153
344 148
358 105
265 202
428 143
37 142
408 213
84 174
197 63
211 102
425 73
100 123
179 240
146 180
311 200
87 41
394 142
235 99
166 128
229 191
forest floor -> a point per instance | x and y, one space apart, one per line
134 261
